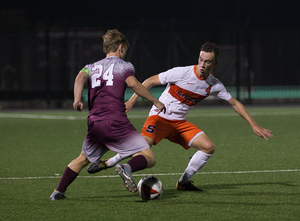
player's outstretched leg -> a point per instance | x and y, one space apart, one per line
124 172
70 174
198 160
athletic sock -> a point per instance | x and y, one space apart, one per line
137 163
113 161
198 160
68 177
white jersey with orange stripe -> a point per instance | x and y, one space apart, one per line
185 89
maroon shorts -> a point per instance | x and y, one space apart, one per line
118 136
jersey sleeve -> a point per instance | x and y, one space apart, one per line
128 71
170 76
223 94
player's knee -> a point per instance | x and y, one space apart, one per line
82 160
212 149
204 143
151 161
209 148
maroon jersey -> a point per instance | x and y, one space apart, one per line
107 88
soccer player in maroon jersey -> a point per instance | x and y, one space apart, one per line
108 125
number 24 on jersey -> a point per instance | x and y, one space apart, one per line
97 72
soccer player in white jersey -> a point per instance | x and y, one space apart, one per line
187 86
108 125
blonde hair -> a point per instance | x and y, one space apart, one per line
112 39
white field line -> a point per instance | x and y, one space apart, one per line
157 174
51 117
47 117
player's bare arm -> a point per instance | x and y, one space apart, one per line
142 91
241 110
80 80
148 83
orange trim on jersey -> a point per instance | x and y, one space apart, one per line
201 79
184 96
176 131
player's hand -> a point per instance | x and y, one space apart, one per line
128 106
78 105
160 107
262 132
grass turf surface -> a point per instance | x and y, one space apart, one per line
247 178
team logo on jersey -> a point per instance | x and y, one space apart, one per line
184 96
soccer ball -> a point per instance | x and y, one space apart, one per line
150 188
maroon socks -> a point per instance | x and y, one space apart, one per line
137 163
68 177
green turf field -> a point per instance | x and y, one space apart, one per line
247 178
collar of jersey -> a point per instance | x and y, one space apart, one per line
198 76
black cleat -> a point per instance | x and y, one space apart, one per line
97 167
189 186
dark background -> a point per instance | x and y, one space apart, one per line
45 43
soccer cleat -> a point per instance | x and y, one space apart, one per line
56 195
97 167
127 178
189 186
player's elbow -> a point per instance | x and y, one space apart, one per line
152 81
132 84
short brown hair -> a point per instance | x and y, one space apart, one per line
112 39
211 47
